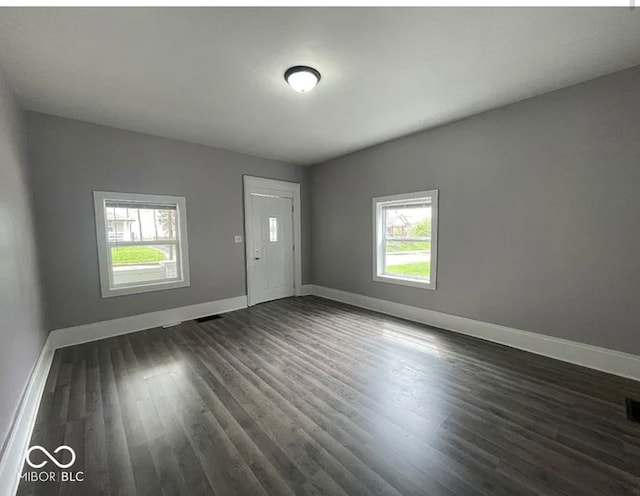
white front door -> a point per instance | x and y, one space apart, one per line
271 264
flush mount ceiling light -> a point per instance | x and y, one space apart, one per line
302 78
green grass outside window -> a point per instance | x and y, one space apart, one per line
136 254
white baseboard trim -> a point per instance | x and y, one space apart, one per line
306 290
69 336
606 360
18 443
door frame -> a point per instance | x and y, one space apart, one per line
282 189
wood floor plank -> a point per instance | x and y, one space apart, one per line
187 466
121 481
309 401
337 440
310 397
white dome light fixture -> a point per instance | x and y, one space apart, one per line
302 78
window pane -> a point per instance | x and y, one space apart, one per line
134 265
407 241
144 223
407 221
273 229
408 258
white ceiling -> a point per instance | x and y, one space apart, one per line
215 75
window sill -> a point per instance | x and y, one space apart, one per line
129 290
405 281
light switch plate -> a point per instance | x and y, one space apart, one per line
238 239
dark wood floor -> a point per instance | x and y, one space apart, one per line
307 396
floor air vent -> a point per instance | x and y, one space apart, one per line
633 410
208 318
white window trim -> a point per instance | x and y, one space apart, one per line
104 254
378 245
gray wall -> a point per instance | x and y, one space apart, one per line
70 159
539 214
22 332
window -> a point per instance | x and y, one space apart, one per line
142 242
405 230
273 229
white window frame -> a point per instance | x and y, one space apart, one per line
379 234
104 246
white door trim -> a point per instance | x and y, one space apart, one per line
284 189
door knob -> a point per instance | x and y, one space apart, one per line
256 258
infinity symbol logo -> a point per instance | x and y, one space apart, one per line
59 448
